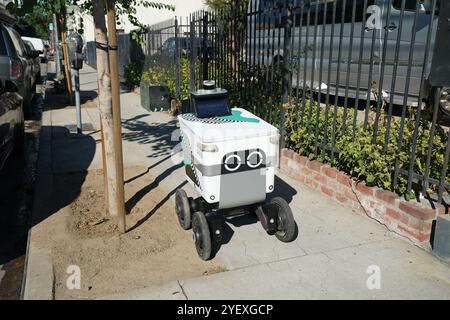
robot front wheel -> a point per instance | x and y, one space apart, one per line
201 235
286 230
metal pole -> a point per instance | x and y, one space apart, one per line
77 101
117 135
56 46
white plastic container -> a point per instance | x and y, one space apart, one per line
230 160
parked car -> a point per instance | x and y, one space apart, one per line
15 64
11 120
34 58
166 52
365 65
39 45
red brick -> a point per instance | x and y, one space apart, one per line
420 237
332 184
386 196
351 195
417 211
293 165
300 159
329 192
361 187
314 165
284 163
330 172
396 215
319 178
287 153
311 183
420 226
306 171
344 179
341 198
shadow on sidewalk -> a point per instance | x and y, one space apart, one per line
282 189
158 135
64 159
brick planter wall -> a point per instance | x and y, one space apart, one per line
411 219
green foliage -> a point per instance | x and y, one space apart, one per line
361 155
166 75
133 73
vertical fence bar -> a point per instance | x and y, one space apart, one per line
287 46
349 65
419 102
327 103
394 78
192 53
371 86
313 66
322 52
405 99
358 81
308 21
381 80
177 60
338 77
205 46
298 60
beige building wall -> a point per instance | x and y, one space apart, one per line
149 16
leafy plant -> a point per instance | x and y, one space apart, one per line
362 155
133 73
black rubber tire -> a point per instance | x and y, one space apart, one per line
183 209
201 235
287 228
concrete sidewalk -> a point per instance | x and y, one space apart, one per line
333 257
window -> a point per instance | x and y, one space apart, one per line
326 14
18 43
410 5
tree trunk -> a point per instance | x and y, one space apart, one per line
66 54
105 103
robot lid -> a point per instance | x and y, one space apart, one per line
240 124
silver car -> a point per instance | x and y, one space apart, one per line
355 69
16 65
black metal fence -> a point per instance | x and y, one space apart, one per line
360 84
129 49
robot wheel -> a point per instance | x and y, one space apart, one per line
183 209
201 235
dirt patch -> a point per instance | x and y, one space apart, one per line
155 250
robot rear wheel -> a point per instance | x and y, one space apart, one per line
183 209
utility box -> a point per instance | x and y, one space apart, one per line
75 48
441 243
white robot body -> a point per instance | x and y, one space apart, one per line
231 160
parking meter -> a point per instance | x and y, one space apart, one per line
75 48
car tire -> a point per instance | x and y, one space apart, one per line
443 115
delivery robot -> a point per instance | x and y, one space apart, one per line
230 157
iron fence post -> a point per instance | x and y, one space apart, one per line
192 55
205 46
177 62
286 72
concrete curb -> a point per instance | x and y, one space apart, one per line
38 278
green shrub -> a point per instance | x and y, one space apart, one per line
133 73
361 155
